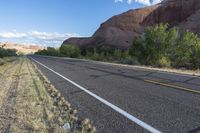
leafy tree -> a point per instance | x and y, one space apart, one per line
196 54
154 47
138 50
70 51
52 51
187 51
162 46
155 43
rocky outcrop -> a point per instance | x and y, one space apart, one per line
25 49
192 23
120 30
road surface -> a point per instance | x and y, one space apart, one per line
163 101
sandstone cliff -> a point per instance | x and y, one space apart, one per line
25 49
120 30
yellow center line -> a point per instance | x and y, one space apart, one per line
173 86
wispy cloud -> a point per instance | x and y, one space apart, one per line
12 35
36 37
116 1
144 2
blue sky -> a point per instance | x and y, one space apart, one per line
49 22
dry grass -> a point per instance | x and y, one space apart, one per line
33 104
30 103
7 71
62 109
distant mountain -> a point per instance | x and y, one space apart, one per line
25 49
120 30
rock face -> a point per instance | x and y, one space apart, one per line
120 30
25 49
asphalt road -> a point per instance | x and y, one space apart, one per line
167 102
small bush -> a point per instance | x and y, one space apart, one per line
129 60
117 54
163 62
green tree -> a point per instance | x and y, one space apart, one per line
196 54
155 43
70 51
155 46
138 50
187 51
52 51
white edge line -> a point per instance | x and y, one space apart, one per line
114 107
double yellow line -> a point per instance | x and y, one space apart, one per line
173 86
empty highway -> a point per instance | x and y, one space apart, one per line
121 99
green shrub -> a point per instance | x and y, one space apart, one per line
163 62
7 52
50 51
130 60
187 51
195 57
162 46
117 54
70 51
138 49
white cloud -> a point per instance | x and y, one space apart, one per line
144 2
12 35
116 1
129 1
36 37
156 1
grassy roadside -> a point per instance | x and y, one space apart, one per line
5 63
6 60
30 103
7 71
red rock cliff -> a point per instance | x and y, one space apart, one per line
120 30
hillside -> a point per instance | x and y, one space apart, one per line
25 49
120 30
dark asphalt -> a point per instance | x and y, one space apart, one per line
166 109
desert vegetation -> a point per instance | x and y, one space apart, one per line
7 52
159 46
162 46
30 103
64 51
